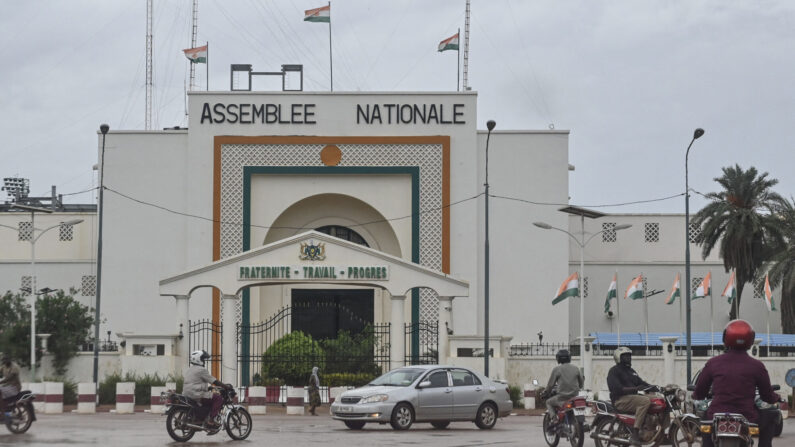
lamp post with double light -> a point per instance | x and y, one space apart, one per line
696 135
490 124
103 128
582 242
33 291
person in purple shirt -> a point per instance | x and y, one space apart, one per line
734 377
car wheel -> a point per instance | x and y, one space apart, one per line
440 424
354 425
402 416
487 416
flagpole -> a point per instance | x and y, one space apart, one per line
618 312
711 326
681 302
458 63
207 67
736 299
646 315
330 62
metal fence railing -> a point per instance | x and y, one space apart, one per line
549 349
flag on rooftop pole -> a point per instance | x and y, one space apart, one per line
771 305
451 43
569 288
705 288
730 292
322 14
611 292
197 55
675 292
635 289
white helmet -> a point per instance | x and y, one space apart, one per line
621 350
198 357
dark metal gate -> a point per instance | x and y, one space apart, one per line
203 335
365 351
426 352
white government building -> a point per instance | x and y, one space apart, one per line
229 221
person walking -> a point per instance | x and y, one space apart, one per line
314 391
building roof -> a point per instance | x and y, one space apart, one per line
696 338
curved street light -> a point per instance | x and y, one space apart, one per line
696 135
581 243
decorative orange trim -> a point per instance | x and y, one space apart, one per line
216 297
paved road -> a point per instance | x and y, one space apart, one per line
143 429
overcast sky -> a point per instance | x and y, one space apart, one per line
630 79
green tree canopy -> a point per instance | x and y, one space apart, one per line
782 265
292 357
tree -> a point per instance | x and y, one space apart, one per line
292 357
740 221
782 265
58 314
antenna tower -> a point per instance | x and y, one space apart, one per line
466 49
194 31
148 119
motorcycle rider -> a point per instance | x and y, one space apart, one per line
195 386
569 381
734 377
9 384
624 384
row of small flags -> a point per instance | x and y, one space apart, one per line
198 55
571 287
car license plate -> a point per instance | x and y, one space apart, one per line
346 409
579 411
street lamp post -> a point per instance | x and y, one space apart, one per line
104 129
490 126
33 290
582 242
696 134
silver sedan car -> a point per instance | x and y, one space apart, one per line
424 393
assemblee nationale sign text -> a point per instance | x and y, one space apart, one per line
305 272
220 113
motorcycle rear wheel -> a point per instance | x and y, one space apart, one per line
611 428
238 424
553 437
575 432
20 420
691 429
174 425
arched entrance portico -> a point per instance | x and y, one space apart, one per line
314 258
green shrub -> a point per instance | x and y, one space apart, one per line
346 379
107 389
292 357
143 386
516 395
351 353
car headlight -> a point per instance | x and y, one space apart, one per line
374 398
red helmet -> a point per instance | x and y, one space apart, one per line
738 335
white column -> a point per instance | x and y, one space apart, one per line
445 312
587 358
183 325
396 332
229 352
669 359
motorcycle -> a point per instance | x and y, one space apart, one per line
186 416
569 423
19 413
614 428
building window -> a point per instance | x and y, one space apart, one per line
759 285
149 350
695 234
66 232
608 231
26 285
694 283
585 287
88 286
651 231
25 231
343 233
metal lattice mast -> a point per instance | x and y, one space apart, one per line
148 119
194 31
466 49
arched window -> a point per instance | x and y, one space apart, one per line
343 233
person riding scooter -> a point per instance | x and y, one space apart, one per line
196 380
624 384
9 384
569 381
734 377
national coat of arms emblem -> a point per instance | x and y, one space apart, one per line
311 252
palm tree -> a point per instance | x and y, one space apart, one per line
782 266
740 221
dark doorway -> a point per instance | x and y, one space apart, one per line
322 313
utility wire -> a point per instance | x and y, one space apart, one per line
587 206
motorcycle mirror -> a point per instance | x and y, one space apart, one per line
776 387
691 388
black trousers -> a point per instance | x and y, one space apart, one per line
767 426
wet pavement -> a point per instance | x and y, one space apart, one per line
275 428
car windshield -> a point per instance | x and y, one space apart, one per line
398 377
